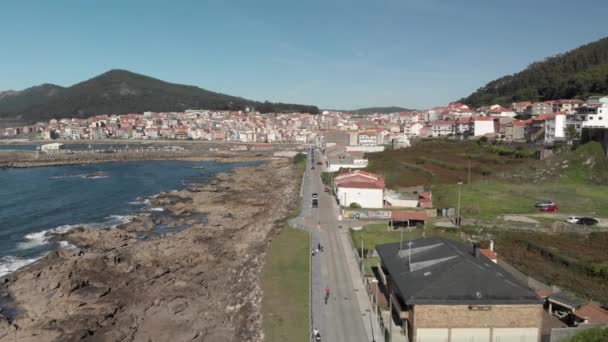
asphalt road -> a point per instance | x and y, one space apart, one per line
341 319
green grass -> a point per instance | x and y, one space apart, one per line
488 199
285 280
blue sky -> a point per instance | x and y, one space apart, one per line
331 53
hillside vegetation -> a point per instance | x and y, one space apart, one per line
575 74
121 92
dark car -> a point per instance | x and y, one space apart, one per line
315 203
319 163
586 221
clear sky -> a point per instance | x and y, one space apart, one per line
341 54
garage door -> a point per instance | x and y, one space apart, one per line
431 335
515 335
471 335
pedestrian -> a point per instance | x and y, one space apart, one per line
320 247
313 252
317 251
315 331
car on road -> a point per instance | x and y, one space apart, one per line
587 221
543 204
319 163
549 209
312 168
315 195
315 203
572 219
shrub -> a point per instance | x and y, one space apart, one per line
355 205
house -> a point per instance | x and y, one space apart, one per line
566 106
539 108
516 131
520 107
598 99
591 314
408 218
593 115
412 129
443 290
502 112
442 128
555 126
51 148
483 125
363 188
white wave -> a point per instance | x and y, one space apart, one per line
156 209
9 264
140 201
66 245
41 238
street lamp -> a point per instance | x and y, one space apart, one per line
458 210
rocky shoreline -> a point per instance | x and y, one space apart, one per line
188 274
26 159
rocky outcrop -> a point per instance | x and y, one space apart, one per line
200 284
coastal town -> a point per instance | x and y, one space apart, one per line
542 122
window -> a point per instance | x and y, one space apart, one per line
600 118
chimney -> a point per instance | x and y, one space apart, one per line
492 245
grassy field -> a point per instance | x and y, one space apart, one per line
285 306
503 183
440 162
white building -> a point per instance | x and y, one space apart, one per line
443 128
555 128
412 129
364 188
483 125
593 116
50 148
335 164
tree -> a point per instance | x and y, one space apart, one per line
571 134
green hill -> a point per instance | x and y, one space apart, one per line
120 92
575 74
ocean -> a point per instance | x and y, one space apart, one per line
37 201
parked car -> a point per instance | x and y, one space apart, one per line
319 163
587 221
312 168
315 195
315 203
542 204
549 208
572 219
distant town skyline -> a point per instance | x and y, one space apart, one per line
332 54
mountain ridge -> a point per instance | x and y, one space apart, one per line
577 73
120 91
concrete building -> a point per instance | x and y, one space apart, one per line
483 125
443 128
364 188
555 127
593 115
50 148
520 107
598 99
539 108
443 290
515 131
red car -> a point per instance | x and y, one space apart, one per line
549 209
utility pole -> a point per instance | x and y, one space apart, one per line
458 210
362 256
469 176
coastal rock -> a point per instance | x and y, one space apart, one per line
197 284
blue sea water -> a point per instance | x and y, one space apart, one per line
36 201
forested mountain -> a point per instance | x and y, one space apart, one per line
120 92
575 74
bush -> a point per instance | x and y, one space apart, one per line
299 158
355 205
591 335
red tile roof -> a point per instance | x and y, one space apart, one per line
443 123
592 314
484 118
361 185
409 215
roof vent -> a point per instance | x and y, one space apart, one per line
478 295
426 274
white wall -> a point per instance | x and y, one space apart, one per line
367 198
483 127
357 164
365 148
